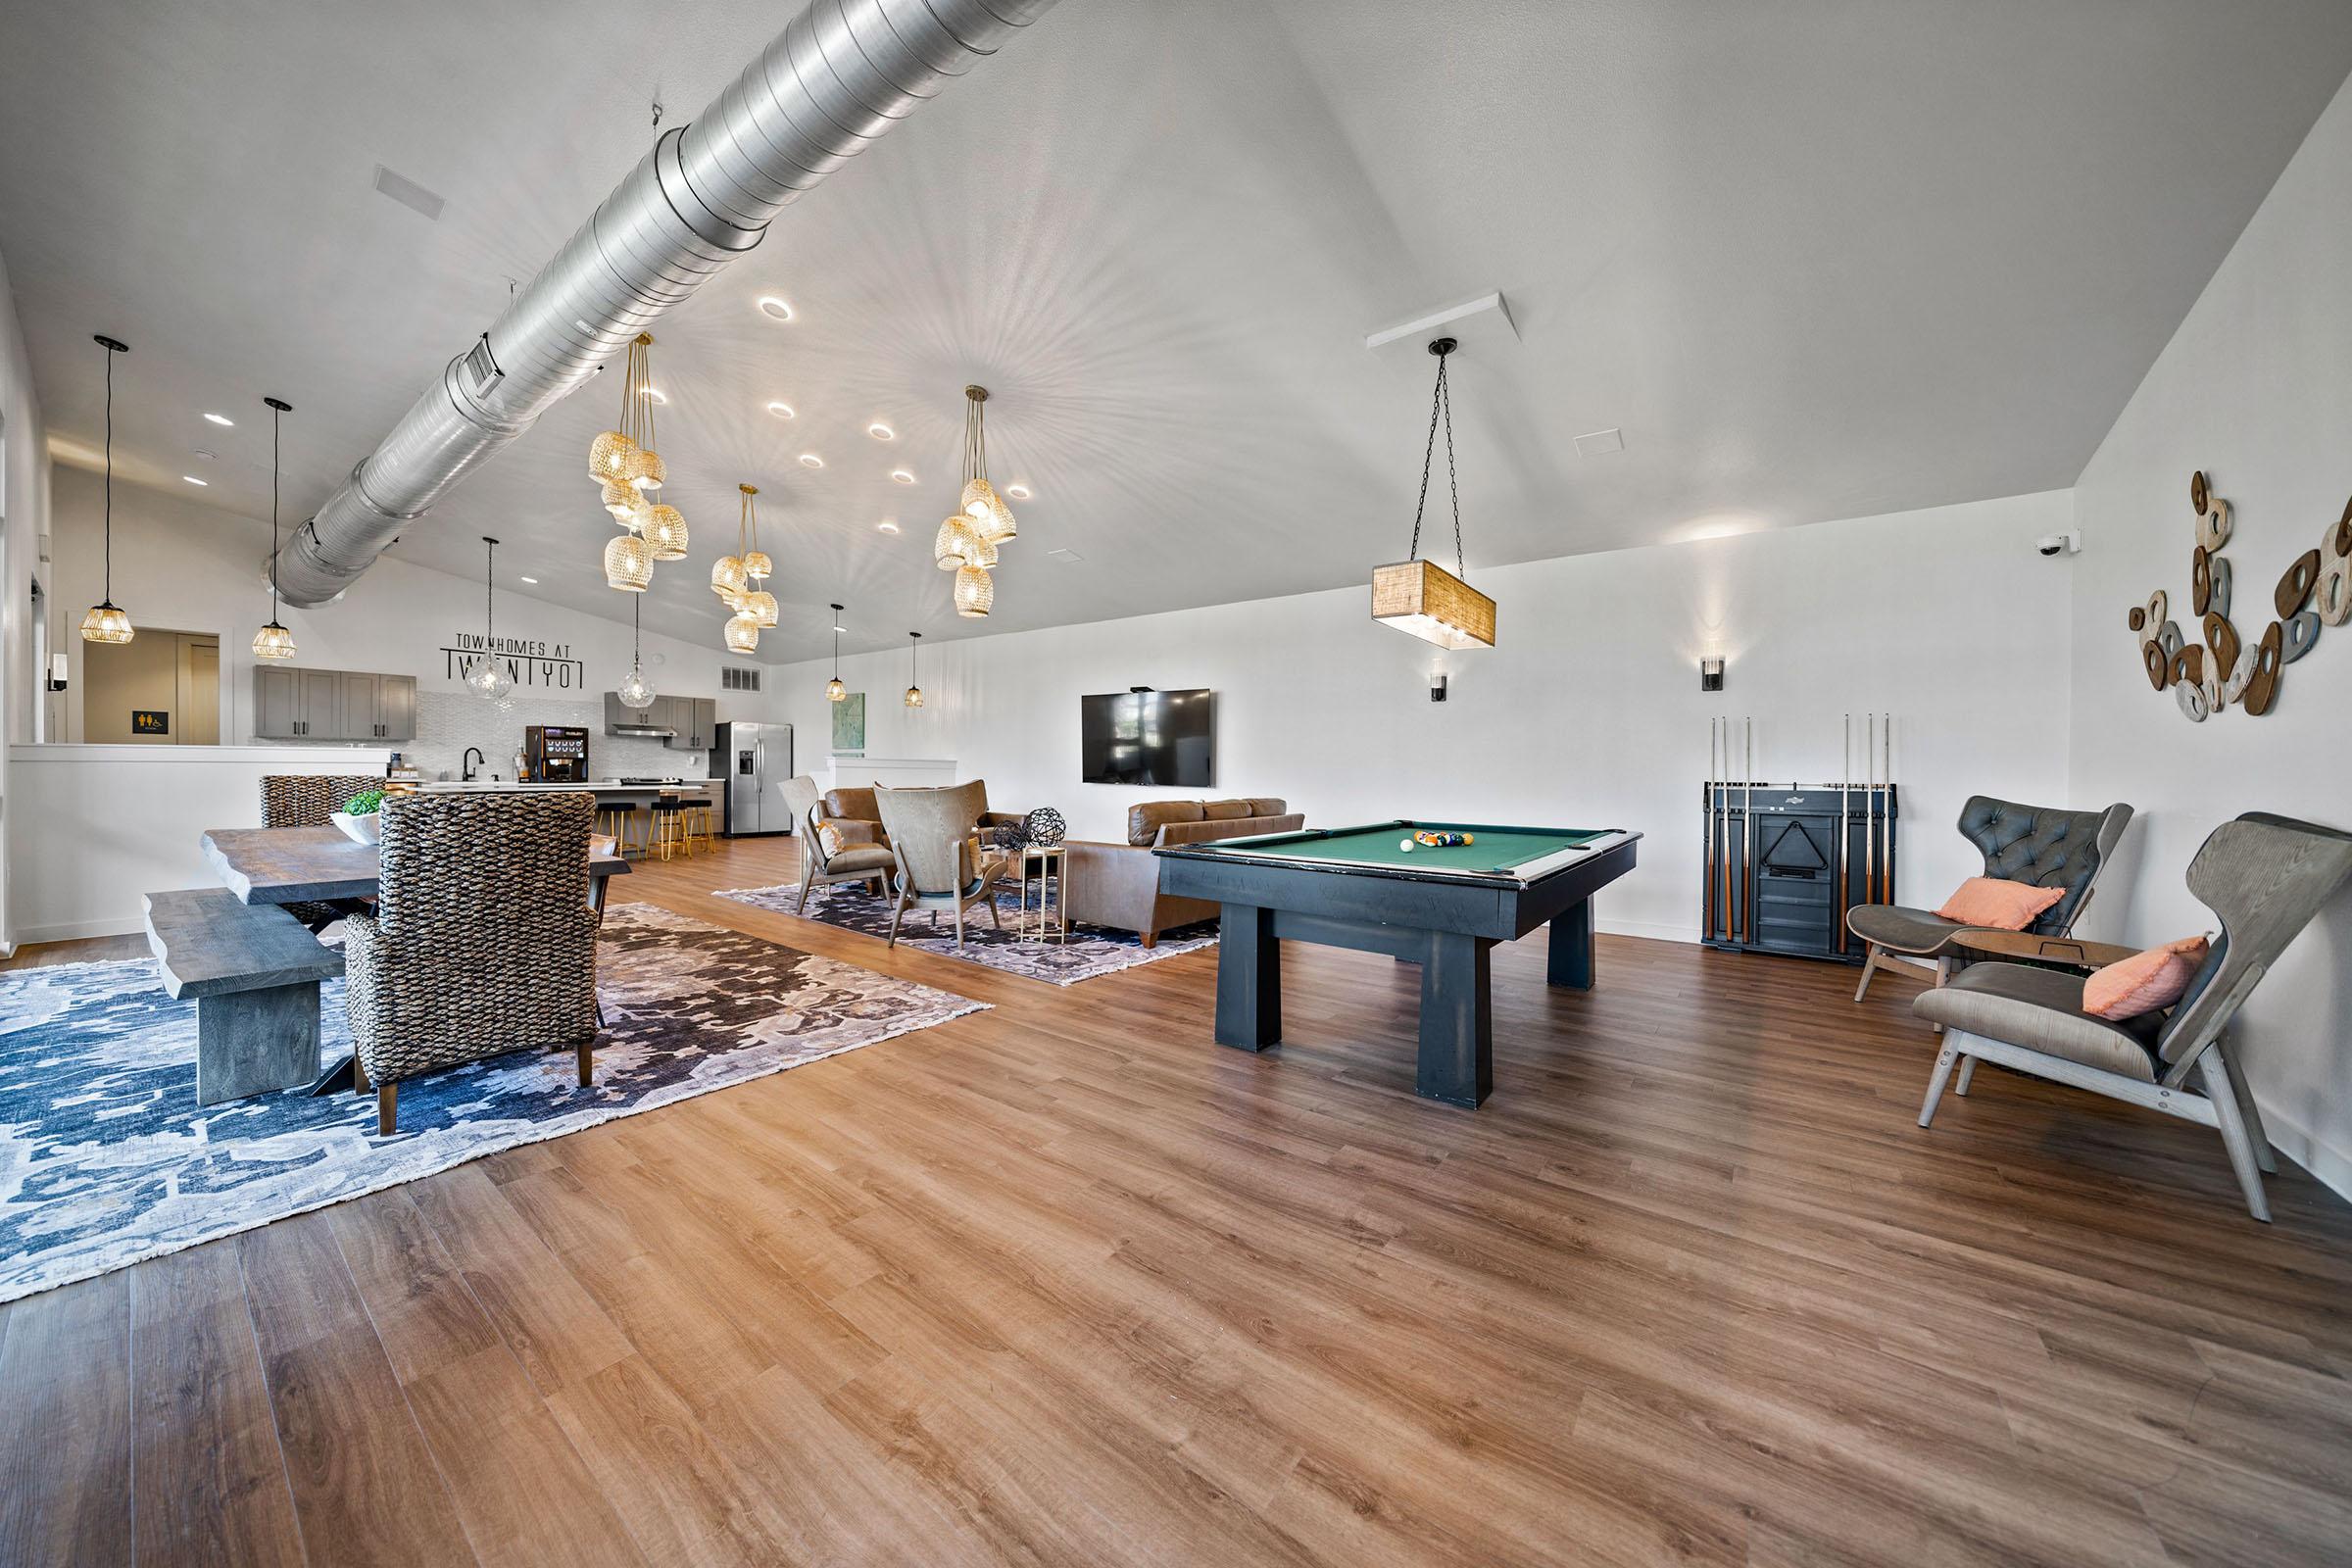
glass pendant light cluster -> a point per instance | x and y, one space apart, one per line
273 641
740 580
106 622
915 693
486 673
967 541
629 475
1420 597
634 689
835 691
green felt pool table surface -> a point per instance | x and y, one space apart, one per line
1492 850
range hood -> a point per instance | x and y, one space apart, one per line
647 728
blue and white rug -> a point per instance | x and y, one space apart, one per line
1087 951
106 1157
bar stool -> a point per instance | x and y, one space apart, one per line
668 828
701 824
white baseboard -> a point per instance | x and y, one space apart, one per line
2331 1167
78 930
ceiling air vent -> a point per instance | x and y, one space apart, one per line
481 367
738 678
408 193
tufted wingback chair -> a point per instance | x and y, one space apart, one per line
2045 846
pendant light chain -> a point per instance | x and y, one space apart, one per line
489 595
110 476
276 415
1440 408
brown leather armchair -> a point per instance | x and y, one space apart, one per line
1118 885
857 804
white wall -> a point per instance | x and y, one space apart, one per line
23 517
1586 714
2256 389
192 568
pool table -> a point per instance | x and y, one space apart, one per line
1442 908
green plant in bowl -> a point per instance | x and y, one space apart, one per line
365 804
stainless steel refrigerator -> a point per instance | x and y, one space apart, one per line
753 760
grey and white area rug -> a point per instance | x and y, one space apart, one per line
1091 950
106 1157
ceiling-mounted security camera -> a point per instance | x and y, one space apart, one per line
2059 544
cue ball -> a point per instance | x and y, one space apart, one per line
1407 845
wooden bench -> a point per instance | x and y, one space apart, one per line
254 972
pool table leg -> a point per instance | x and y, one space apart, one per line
1571 962
1457 1021
1249 978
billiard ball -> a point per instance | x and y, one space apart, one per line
1407 845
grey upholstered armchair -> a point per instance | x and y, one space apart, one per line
851 863
2041 845
483 940
309 800
939 860
2265 876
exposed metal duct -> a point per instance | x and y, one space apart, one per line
838 77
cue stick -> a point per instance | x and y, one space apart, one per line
1870 842
1706 885
1748 841
1887 820
1846 768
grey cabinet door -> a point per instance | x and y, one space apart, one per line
706 724
355 707
318 699
276 705
396 708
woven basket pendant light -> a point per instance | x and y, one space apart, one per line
756 564
975 593
835 691
956 545
273 641
105 621
628 563
743 634
664 531
992 519
915 693
1420 597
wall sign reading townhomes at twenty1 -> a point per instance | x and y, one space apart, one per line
549 667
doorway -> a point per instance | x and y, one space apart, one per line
162 688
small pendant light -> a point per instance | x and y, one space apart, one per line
486 673
835 691
635 691
106 622
273 641
915 693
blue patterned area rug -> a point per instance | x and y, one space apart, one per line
1091 950
106 1157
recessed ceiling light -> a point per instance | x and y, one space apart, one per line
533 582
657 394
1018 492
192 479
221 419
885 527
902 475
809 460
774 308
881 432
780 409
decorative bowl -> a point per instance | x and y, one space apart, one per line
360 830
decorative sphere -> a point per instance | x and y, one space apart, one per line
1043 826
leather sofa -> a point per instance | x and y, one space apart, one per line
857 805
1118 885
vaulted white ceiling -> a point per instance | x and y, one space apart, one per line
1817 259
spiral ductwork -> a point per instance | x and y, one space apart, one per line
840 74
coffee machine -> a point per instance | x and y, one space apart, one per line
556 754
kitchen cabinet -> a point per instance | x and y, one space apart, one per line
332 704
696 722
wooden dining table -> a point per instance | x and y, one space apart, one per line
325 866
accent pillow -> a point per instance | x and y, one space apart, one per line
1986 900
838 833
2145 981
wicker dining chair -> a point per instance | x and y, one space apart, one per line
482 942
939 861
309 800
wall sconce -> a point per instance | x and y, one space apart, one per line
1710 673
1437 685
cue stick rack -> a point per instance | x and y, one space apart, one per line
1783 862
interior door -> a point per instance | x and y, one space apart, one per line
199 692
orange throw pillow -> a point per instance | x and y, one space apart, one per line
2145 981
1986 900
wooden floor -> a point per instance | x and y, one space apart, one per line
1065 1283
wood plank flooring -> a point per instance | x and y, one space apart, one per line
1064 1282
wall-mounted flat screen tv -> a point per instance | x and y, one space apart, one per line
1162 738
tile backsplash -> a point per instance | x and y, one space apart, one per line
447 722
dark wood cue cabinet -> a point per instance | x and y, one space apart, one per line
1784 863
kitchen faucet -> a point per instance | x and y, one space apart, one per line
473 754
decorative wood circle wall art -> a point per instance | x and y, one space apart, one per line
2227 670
